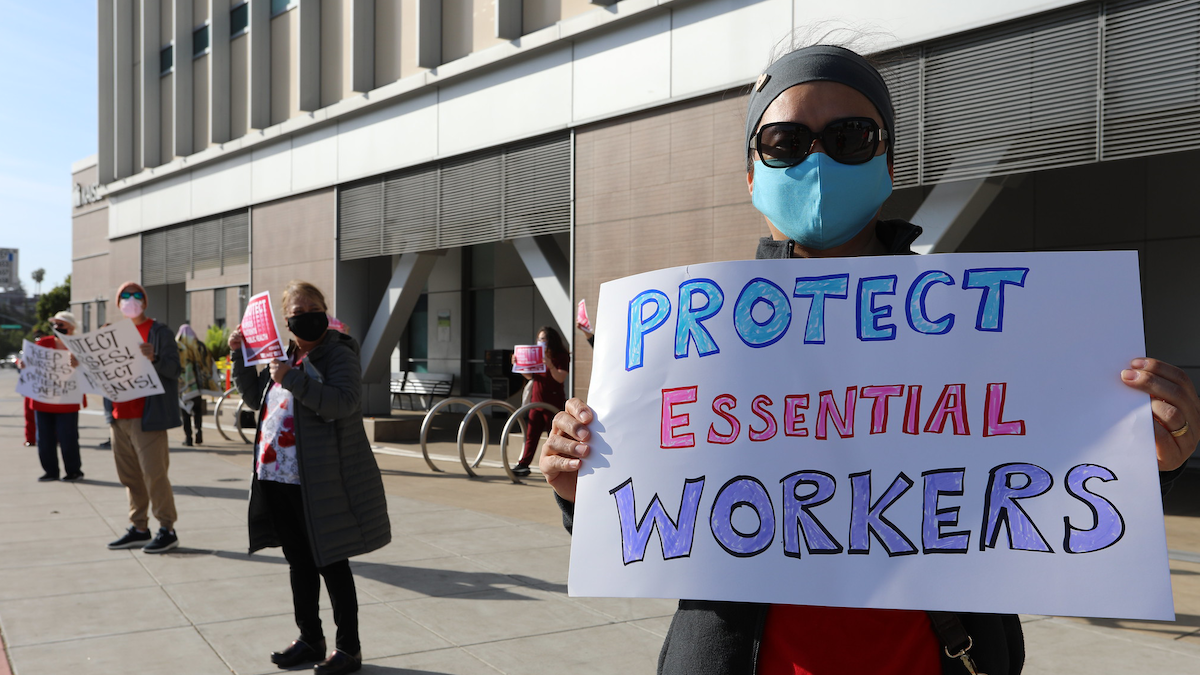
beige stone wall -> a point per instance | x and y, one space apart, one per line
285 64
660 189
239 85
200 133
538 14
388 40
90 260
336 24
408 38
166 119
292 239
125 262
201 310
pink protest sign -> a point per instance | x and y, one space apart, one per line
581 316
530 359
260 336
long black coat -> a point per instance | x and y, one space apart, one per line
344 505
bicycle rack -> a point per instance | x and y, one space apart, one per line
519 416
477 410
425 424
237 416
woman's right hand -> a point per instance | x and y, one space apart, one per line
235 339
565 447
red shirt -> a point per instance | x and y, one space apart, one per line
51 342
128 410
809 640
547 389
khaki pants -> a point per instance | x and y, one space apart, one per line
142 459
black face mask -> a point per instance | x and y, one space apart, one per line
309 326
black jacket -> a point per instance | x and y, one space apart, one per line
345 508
161 411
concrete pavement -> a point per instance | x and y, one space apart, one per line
473 583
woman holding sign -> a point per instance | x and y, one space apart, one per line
58 425
316 489
547 387
818 140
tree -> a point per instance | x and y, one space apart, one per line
49 304
38 275
217 341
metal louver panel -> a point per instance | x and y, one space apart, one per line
206 238
235 239
1151 77
154 258
1016 98
179 255
410 208
903 77
537 188
470 208
360 217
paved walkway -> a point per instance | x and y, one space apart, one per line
474 582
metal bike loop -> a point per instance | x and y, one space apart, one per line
425 424
462 432
519 416
217 413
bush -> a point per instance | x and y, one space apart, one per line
217 341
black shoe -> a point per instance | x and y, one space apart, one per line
105 445
46 478
199 438
72 477
298 652
131 539
187 442
521 470
339 662
28 444
164 541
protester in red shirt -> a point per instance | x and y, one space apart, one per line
547 388
58 425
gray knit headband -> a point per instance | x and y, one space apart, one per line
820 63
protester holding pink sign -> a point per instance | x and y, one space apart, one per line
528 359
547 388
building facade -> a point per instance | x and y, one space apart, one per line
456 174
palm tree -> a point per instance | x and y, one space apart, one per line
38 275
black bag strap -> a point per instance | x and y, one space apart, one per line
954 638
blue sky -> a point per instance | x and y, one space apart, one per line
47 121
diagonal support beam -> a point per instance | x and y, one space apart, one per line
396 307
951 210
550 270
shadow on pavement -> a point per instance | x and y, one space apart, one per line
239 494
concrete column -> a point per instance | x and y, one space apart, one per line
429 33
104 59
151 103
123 90
509 19
218 71
260 64
392 315
309 77
182 81
362 47
550 270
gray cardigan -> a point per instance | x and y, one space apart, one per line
345 509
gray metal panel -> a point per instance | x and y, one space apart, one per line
260 63
360 218
235 239
362 46
154 258
123 89
537 188
182 81
1151 78
179 254
903 76
1012 99
218 72
206 242
509 19
151 103
429 33
470 201
410 212
104 60
309 77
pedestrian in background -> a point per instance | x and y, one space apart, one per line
58 425
547 387
139 433
316 489
196 381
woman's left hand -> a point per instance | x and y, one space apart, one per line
278 370
1175 406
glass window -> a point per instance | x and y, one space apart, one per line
239 19
166 59
418 336
281 6
200 41
219 307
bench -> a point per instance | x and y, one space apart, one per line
427 386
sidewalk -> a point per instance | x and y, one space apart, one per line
474 581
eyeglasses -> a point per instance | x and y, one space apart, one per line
136 295
853 140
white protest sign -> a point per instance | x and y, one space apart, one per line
48 376
112 364
530 359
942 432
260 336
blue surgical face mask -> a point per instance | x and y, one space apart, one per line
820 203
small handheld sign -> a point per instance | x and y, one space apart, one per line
530 359
112 364
260 336
48 376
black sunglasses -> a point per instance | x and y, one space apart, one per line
136 295
852 140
